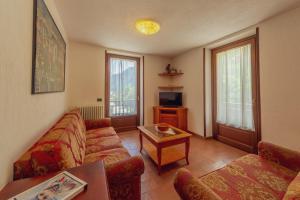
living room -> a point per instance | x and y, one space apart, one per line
180 58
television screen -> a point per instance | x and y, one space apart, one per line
170 99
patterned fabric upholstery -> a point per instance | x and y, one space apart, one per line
293 191
94 124
189 187
124 179
108 156
102 143
72 142
100 132
62 147
249 177
280 155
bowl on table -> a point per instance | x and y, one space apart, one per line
162 127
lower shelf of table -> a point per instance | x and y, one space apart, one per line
169 154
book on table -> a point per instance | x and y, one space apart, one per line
63 186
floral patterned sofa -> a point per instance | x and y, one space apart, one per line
272 174
73 142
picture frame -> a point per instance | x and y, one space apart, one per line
48 52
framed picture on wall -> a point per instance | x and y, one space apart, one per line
49 52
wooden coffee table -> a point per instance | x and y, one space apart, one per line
163 148
93 174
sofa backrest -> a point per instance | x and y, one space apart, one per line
62 147
293 191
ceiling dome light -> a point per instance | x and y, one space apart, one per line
147 27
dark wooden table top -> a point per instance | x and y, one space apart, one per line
93 174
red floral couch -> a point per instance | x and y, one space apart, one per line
73 142
272 174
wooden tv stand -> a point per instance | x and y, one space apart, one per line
175 116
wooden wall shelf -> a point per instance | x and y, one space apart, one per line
170 87
170 74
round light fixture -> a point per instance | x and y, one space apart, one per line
147 27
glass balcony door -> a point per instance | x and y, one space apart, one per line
236 118
122 91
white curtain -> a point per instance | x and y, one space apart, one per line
123 87
234 88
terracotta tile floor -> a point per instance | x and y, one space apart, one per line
205 156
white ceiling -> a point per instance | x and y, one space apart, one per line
184 23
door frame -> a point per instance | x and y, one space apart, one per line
107 86
254 41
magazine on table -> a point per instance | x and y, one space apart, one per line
63 186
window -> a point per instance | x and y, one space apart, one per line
123 87
235 93
234 88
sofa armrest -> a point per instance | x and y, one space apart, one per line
127 169
188 187
100 123
280 155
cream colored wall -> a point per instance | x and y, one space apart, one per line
23 116
87 72
191 64
279 77
153 66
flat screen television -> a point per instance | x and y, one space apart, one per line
170 99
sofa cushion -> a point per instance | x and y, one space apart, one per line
100 132
108 156
103 143
250 177
293 191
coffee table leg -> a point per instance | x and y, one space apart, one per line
141 142
187 149
159 159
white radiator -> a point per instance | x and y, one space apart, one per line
92 112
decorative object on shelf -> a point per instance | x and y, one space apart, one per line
63 186
174 71
168 68
49 52
170 71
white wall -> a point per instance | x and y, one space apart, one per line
87 72
23 116
191 64
280 79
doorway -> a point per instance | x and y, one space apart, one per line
235 84
122 96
